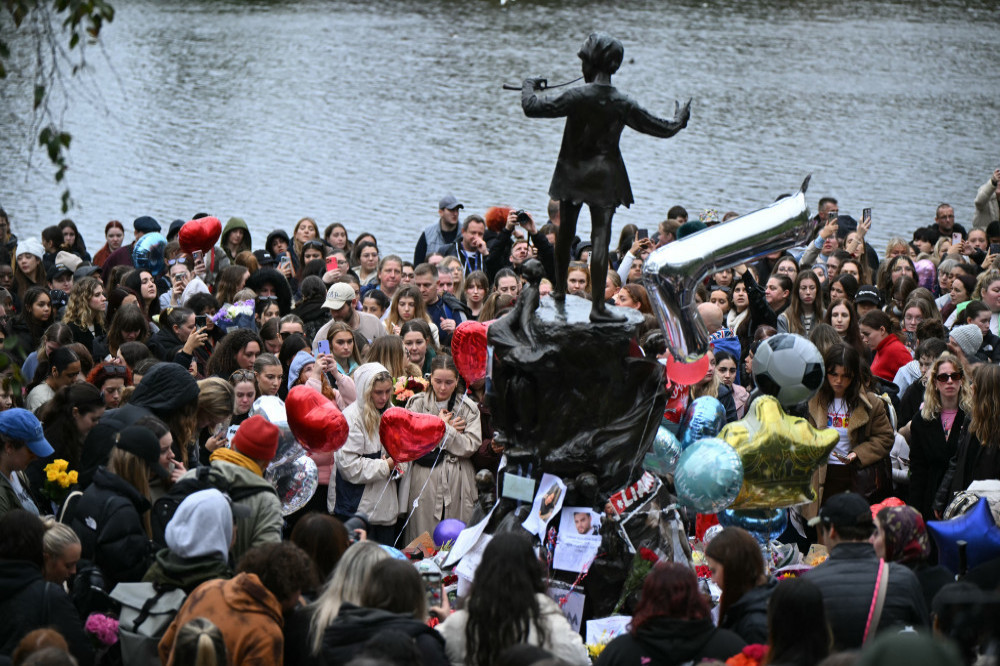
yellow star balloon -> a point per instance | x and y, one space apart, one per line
779 454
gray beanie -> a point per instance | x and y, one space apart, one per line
969 337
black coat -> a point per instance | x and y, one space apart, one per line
28 602
748 616
971 462
666 642
847 581
166 346
163 391
354 626
108 520
930 453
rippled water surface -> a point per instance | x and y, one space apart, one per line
368 112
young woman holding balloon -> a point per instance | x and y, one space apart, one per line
444 480
364 480
860 460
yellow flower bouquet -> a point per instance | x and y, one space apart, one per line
59 481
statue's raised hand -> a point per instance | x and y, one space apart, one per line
682 114
537 83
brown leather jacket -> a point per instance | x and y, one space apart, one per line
870 433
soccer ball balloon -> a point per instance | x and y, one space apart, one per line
789 367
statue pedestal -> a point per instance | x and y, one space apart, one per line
571 397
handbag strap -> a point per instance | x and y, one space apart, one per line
878 600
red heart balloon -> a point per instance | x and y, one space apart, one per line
315 421
468 349
201 234
408 435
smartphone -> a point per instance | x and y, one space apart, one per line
866 214
323 347
200 321
431 574
196 255
956 239
331 263
284 261
641 234
841 457
994 248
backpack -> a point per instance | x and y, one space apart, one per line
165 507
146 612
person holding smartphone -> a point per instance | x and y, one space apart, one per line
860 461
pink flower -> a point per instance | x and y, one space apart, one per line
103 627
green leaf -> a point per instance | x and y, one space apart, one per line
39 95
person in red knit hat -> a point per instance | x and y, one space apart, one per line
253 448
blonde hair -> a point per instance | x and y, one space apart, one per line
931 408
370 415
78 310
57 537
216 399
346 584
134 471
200 643
985 279
710 387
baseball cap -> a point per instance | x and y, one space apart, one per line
844 510
145 445
56 271
20 424
146 224
338 295
868 294
85 270
69 260
449 202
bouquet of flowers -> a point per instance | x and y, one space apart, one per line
102 629
752 655
236 315
405 388
59 481
642 564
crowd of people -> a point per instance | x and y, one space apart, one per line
131 454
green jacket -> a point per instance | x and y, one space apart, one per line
8 498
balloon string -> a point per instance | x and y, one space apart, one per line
419 495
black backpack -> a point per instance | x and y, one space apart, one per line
205 478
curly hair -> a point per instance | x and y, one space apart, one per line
283 568
223 360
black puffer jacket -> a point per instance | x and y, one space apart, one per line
847 581
162 392
748 616
666 642
345 637
28 602
282 289
108 520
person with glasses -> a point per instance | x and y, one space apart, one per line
266 307
180 272
936 429
978 454
859 462
245 389
110 378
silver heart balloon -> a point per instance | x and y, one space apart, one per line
295 481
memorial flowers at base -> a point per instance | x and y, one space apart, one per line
59 481
642 564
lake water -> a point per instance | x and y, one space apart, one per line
368 112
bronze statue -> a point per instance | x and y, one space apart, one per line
590 169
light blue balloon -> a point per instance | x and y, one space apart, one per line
662 458
705 417
765 525
709 475
395 552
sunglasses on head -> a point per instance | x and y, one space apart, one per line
242 376
946 376
116 369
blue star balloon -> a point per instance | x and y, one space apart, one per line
976 527
764 524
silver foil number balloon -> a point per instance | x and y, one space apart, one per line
673 272
292 472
